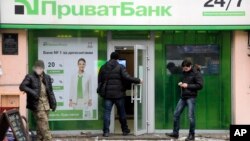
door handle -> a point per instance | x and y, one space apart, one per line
140 93
134 92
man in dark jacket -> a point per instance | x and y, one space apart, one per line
115 75
191 82
40 99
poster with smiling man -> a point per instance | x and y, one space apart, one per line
72 63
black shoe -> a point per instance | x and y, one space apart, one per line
173 135
105 135
190 137
125 133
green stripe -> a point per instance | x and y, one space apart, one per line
55 88
79 87
55 71
60 103
66 114
224 13
127 27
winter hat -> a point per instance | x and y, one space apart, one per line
39 63
114 55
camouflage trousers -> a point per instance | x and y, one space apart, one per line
42 124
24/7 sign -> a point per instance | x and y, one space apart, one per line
224 8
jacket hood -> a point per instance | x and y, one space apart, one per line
112 63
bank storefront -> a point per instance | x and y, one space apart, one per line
152 37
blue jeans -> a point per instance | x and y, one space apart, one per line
108 105
190 102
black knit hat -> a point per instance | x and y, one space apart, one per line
39 63
114 55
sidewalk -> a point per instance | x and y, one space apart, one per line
146 137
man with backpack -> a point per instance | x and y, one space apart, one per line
190 84
114 76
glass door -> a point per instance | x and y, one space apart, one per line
139 91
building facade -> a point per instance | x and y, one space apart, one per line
152 37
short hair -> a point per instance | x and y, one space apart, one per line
186 63
170 65
81 59
114 55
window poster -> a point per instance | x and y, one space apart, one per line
72 63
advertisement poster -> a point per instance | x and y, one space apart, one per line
72 64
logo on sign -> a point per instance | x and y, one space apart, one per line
31 9
124 8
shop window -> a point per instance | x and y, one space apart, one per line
60 50
207 56
211 50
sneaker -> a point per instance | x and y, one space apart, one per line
173 135
190 137
105 135
125 133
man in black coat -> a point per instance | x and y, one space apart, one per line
191 82
116 76
40 99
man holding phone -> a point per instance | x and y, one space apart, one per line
190 84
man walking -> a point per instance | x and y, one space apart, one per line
40 99
115 75
191 82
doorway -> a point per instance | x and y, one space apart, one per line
126 59
134 56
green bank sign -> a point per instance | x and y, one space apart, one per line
126 12
62 10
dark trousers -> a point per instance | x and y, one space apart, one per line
190 103
108 104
